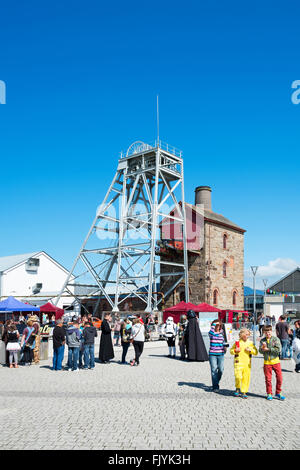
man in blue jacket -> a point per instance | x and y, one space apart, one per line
89 335
73 341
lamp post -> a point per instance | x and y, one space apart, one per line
265 281
254 271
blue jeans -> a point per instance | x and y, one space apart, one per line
217 367
58 355
116 337
89 356
290 350
284 344
81 353
73 355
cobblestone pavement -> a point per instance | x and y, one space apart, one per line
162 404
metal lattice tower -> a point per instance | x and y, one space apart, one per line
119 255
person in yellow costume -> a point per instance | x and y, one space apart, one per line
242 362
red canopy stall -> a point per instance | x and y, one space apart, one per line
180 309
50 308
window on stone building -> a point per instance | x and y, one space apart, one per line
224 269
234 296
225 241
215 297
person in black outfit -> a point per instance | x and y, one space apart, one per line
5 339
59 341
181 332
106 350
125 338
13 345
195 346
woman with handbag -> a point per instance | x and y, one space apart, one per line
137 339
125 338
5 339
13 345
28 343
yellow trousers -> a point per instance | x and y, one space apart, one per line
242 373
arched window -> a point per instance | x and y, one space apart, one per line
224 269
234 296
215 297
225 241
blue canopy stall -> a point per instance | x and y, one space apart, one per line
8 306
13 305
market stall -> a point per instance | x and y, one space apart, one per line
205 313
8 308
52 309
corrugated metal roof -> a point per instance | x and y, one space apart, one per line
7 262
289 283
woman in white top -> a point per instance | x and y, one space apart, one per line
138 339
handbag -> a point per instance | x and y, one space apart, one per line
30 340
125 337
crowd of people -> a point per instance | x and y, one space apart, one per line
22 340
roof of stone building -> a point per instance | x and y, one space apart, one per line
216 218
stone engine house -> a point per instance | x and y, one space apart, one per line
215 256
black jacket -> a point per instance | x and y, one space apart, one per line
59 337
89 335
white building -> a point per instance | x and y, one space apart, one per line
35 278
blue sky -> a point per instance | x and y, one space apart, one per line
81 81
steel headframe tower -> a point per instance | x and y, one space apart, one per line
125 261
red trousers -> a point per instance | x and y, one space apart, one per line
268 368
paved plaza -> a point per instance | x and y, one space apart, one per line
162 404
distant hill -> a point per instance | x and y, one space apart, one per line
249 291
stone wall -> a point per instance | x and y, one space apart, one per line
215 256
206 270
196 280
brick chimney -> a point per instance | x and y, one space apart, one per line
203 196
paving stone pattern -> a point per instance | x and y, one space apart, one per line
162 404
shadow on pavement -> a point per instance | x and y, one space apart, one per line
176 358
224 391
195 385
